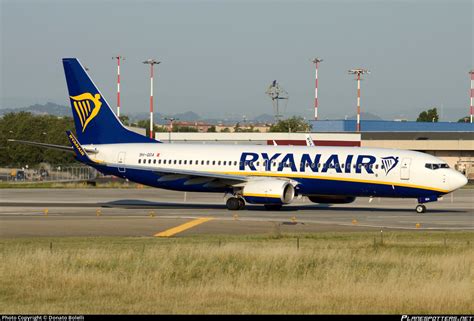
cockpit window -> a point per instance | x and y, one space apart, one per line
436 166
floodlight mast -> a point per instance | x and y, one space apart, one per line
471 110
170 127
358 72
316 62
118 82
276 93
151 62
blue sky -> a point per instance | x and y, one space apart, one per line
220 56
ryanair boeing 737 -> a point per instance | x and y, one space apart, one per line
269 175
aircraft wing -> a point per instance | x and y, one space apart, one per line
196 177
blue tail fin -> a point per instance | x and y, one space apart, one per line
95 122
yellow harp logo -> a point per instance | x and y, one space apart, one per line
84 109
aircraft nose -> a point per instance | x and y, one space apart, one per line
458 180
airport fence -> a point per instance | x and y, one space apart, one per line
48 173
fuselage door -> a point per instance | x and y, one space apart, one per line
405 169
121 160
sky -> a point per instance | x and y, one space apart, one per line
218 57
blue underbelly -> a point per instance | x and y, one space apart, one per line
307 186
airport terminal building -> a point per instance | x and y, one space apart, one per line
452 142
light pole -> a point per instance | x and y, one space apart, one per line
471 110
358 72
170 127
316 62
118 82
151 62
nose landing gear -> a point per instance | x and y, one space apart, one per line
420 208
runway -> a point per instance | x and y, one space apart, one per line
148 212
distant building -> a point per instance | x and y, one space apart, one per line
203 127
450 141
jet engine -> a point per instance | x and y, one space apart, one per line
269 192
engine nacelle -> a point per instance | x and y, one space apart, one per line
331 199
268 192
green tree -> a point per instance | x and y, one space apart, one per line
211 129
464 119
44 129
225 130
430 115
125 120
293 124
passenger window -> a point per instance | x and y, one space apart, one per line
202 162
219 162
179 162
213 162
225 162
207 163
159 161
149 161
139 161
174 162
190 162
154 161
235 163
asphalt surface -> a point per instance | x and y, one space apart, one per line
146 212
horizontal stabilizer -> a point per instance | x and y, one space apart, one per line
51 146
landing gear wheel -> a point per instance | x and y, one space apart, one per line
233 204
241 203
420 208
272 207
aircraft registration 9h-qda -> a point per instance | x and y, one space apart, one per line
267 175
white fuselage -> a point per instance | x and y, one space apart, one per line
333 165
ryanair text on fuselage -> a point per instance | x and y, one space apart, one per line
315 163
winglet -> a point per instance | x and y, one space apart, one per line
81 154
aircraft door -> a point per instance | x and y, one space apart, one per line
405 169
121 160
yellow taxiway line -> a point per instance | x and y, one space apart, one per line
183 227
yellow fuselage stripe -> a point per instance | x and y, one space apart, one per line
183 227
356 180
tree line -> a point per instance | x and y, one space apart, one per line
44 129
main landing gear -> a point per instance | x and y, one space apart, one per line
420 208
235 203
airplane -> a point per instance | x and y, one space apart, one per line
271 176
